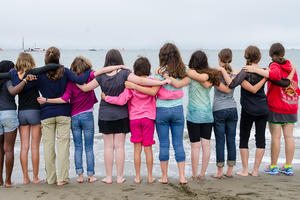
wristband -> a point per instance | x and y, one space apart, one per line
25 81
46 100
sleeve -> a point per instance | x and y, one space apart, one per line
77 79
240 77
284 82
68 93
5 75
167 94
126 73
41 70
8 84
121 99
275 72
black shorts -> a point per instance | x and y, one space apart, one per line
197 131
116 126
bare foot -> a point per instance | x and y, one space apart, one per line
151 180
37 181
242 173
62 183
218 176
137 180
201 177
26 181
253 173
80 178
120 180
92 179
163 180
107 180
9 185
182 181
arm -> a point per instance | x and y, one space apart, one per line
5 75
196 76
110 68
253 88
41 70
165 94
177 83
240 77
77 79
118 100
88 87
43 100
14 90
223 88
152 91
145 81
285 82
262 72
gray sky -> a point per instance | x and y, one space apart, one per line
148 24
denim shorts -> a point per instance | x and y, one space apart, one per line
8 121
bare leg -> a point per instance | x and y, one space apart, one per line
149 162
9 144
245 157
275 144
195 151
229 171
108 156
219 173
1 158
259 154
289 143
181 168
35 152
25 140
137 161
164 171
119 143
205 156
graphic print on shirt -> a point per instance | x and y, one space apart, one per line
290 94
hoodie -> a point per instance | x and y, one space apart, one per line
283 100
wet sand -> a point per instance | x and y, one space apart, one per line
263 187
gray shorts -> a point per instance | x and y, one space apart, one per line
29 117
282 119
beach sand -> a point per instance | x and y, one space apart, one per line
263 187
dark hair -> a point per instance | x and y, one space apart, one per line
142 67
5 66
52 56
252 55
199 63
169 57
113 57
80 64
225 55
277 52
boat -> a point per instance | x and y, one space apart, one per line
35 49
92 50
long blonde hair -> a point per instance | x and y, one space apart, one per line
24 62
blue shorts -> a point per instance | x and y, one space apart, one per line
8 121
29 117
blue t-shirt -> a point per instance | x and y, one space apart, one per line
199 106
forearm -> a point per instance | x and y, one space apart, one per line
152 91
41 70
179 83
196 76
143 81
56 100
14 90
107 69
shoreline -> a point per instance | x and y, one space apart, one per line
236 188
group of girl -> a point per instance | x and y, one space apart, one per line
137 103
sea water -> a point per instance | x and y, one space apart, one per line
129 56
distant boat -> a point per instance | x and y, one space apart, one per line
92 50
35 49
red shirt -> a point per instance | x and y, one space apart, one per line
282 100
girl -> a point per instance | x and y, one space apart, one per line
225 118
283 106
82 119
254 109
113 119
8 120
142 114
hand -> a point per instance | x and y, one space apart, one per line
219 68
130 85
103 96
167 82
126 67
30 77
249 68
41 100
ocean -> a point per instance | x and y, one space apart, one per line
129 56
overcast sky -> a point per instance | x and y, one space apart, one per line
148 24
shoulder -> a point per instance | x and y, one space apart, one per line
125 72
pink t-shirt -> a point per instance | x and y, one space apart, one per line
80 101
141 105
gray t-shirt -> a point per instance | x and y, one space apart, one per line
112 86
7 101
223 100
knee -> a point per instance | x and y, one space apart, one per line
25 148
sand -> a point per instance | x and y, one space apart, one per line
263 187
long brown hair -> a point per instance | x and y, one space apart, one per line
277 52
52 56
169 57
198 62
225 55
113 57
252 55
24 62
80 64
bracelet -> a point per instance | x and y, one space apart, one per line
25 80
46 100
